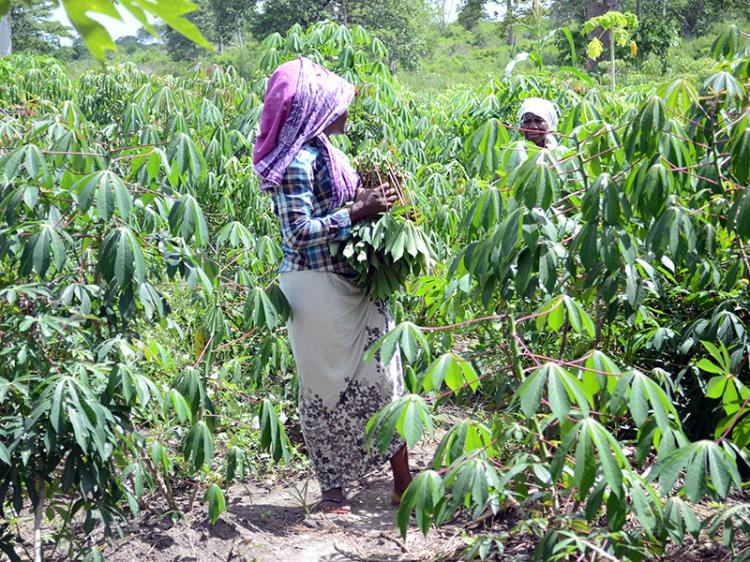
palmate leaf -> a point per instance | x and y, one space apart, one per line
485 213
406 336
733 519
562 389
460 440
600 373
186 157
740 156
409 415
199 446
536 182
121 259
216 502
679 518
426 496
267 310
645 392
108 191
727 43
740 213
40 249
705 462
272 435
34 162
186 219
474 484
487 142
646 129
176 401
452 369
610 459
189 385
557 310
10 164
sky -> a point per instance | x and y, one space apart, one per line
130 25
116 28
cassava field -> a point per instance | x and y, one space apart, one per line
574 324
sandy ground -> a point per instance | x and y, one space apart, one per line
269 524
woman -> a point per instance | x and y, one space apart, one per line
539 121
332 322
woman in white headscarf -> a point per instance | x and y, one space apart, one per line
538 118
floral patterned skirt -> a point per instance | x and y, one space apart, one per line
331 326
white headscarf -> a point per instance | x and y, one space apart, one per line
544 109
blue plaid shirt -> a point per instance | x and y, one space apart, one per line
301 202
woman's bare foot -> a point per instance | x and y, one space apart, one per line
401 474
333 502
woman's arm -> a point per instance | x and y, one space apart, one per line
294 200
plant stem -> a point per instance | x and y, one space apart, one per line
612 56
38 515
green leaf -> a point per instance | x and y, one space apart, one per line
186 157
98 40
260 310
186 219
452 369
531 392
609 453
179 405
216 502
121 259
585 465
415 417
41 247
706 365
272 435
199 446
426 496
34 162
406 336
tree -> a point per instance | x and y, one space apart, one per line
471 13
228 16
181 47
657 32
5 39
276 16
618 26
400 25
696 16
33 28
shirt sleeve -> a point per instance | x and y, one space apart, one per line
294 200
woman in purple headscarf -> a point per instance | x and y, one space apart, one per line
317 198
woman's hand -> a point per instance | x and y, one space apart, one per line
370 202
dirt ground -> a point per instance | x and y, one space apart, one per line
276 523
270 524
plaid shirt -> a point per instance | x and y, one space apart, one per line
301 202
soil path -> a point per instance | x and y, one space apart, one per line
263 524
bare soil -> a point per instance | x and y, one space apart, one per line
278 523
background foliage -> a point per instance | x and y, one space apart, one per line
590 302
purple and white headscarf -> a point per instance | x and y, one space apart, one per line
302 99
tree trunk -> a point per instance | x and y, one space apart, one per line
509 35
38 514
239 36
597 8
6 44
344 13
638 9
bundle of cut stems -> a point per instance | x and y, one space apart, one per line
386 249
